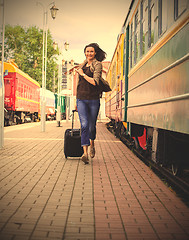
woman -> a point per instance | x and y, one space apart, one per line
88 96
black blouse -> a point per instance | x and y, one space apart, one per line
85 90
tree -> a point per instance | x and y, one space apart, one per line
25 45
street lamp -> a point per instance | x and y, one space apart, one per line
66 46
55 47
53 10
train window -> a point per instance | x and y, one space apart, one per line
114 75
124 55
22 90
136 38
25 92
131 46
180 6
121 58
162 17
151 25
118 61
29 93
142 28
8 90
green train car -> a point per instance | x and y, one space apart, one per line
63 102
149 76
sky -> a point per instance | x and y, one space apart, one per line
79 22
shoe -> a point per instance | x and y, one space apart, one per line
92 152
85 159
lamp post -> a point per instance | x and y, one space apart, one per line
53 10
2 80
66 46
55 46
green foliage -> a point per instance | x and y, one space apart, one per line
25 45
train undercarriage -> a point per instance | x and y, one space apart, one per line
166 148
18 117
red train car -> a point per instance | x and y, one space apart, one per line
22 96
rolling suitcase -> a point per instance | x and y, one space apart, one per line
72 141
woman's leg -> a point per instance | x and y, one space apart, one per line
94 110
85 149
83 116
83 112
93 114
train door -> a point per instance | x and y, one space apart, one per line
118 100
119 83
126 72
9 94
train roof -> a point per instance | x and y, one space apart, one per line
48 93
122 28
12 67
128 13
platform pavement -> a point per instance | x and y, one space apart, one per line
45 196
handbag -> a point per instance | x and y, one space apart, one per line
104 86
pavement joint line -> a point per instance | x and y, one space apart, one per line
122 223
11 215
115 195
152 191
23 164
56 139
139 200
24 153
92 162
48 198
66 222
39 139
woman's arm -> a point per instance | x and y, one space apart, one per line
89 79
96 67
96 74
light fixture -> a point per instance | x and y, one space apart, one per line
55 46
72 62
63 62
54 10
66 45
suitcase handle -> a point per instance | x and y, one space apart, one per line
73 121
73 118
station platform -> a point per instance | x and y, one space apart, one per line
116 196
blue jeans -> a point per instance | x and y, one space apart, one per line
88 112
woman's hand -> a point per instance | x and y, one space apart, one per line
87 78
80 71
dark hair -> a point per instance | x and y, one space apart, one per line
100 54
